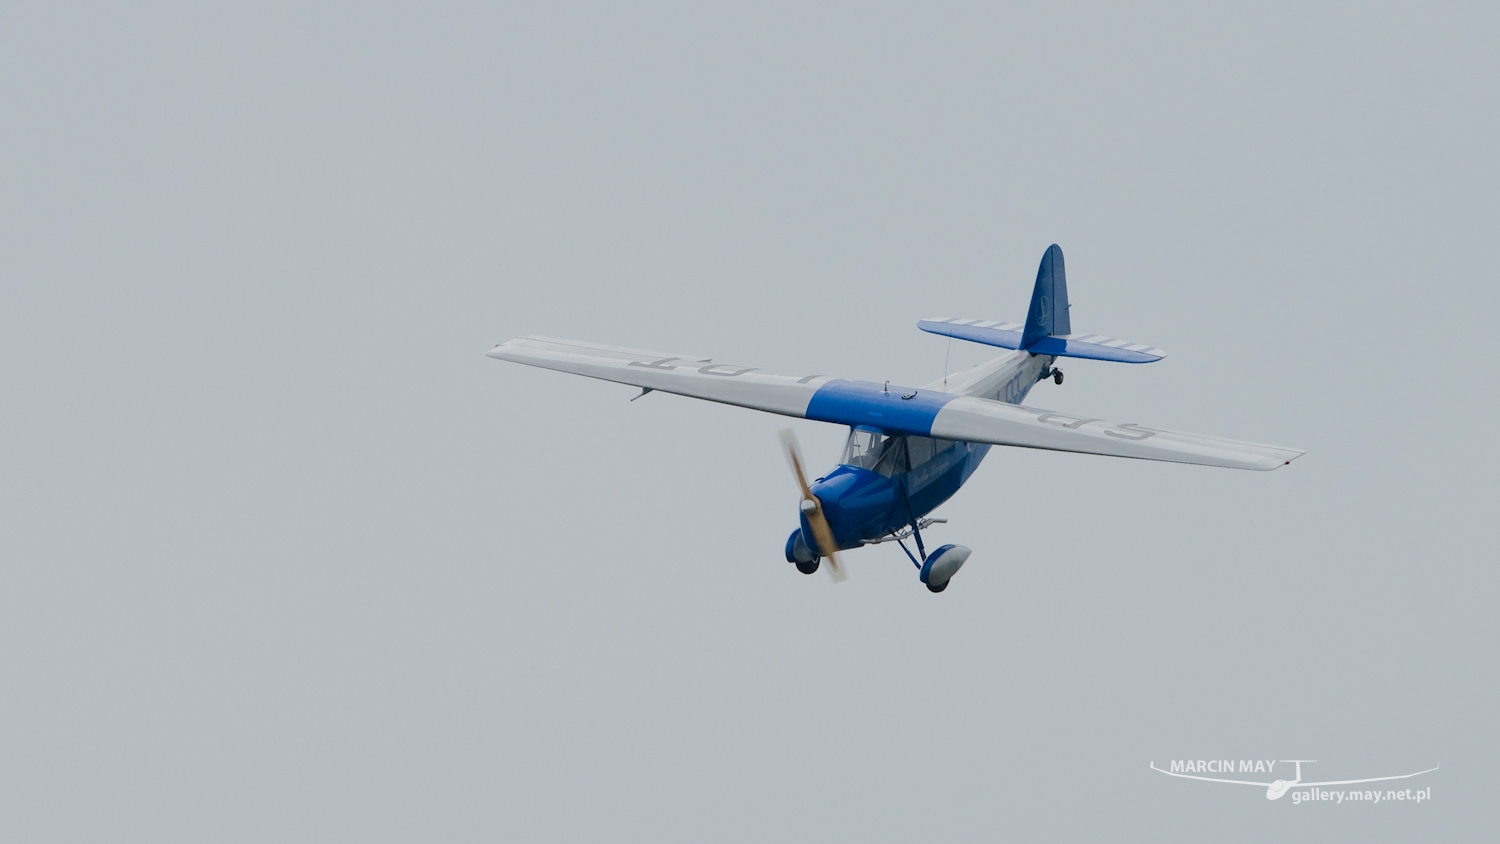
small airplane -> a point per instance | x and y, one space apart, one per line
1276 788
910 448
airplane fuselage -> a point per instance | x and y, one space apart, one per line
887 482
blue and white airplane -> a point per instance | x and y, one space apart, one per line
911 448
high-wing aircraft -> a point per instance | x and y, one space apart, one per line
911 448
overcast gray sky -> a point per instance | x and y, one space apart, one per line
287 558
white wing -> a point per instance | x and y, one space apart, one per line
893 409
998 423
688 375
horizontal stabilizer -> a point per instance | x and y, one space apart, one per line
1007 335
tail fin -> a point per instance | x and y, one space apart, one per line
1047 331
1048 316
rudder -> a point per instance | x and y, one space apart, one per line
1048 330
1048 316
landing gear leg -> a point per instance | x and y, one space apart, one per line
923 552
916 532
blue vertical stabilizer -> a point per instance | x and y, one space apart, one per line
1049 300
1047 331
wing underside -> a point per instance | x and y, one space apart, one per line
887 407
998 423
688 375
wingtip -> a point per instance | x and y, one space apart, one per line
1281 460
499 350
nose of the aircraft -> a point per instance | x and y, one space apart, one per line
855 502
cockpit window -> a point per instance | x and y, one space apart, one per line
864 448
919 450
875 451
893 461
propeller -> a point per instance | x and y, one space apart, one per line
813 508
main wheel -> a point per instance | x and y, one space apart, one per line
931 588
809 567
1057 376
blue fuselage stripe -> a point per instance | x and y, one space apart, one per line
872 405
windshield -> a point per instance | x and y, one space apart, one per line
875 451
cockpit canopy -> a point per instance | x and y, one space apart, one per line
889 455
